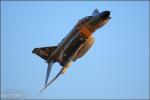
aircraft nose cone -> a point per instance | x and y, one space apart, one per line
105 14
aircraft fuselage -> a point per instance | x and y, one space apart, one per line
79 40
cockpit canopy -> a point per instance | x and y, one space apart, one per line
85 19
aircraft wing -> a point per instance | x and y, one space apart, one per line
84 48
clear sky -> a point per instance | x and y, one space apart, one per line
116 67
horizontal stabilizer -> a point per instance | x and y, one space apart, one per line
44 52
52 80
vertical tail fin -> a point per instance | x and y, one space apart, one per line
44 52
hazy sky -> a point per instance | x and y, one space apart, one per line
116 67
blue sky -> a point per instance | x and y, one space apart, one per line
116 67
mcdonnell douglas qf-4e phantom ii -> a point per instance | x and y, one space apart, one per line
74 45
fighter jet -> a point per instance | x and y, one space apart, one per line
74 45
